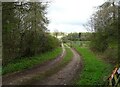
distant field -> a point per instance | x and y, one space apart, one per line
83 43
79 43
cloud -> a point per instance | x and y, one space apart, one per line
67 28
70 15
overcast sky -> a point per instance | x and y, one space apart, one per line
70 15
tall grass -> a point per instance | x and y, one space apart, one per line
95 70
26 63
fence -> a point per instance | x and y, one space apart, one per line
114 79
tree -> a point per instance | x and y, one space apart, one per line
105 24
9 31
25 30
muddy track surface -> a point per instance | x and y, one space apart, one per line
20 77
63 77
66 75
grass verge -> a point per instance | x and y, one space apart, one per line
26 63
95 70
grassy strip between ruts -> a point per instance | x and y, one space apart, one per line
67 58
95 70
26 63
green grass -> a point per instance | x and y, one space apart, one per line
26 63
67 57
95 70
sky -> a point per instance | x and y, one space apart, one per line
70 15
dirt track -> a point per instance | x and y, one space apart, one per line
66 75
62 77
20 77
